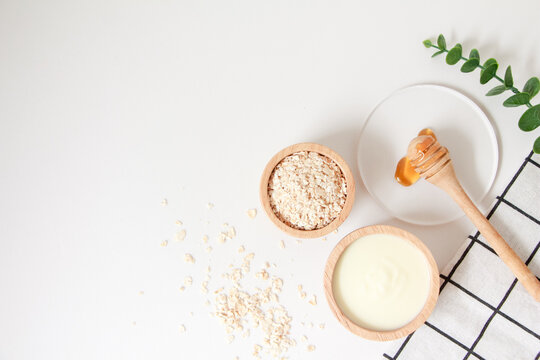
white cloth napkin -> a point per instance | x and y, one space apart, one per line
482 311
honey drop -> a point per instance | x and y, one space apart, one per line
405 174
427 131
424 144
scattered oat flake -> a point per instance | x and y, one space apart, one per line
182 288
222 237
164 243
262 275
251 213
180 235
228 233
304 338
189 259
230 339
210 205
238 308
164 202
256 349
313 300
208 249
321 325
324 239
178 222
282 244
267 264
182 328
277 284
188 280
205 239
311 348
208 269
241 249
303 295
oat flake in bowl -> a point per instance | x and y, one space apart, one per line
305 188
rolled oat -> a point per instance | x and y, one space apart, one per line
307 190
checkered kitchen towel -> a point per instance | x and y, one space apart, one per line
483 312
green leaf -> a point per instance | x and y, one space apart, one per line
454 55
441 41
532 87
496 90
437 53
489 62
536 146
517 100
530 119
488 73
474 54
470 65
508 79
427 43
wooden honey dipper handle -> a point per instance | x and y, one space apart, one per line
446 179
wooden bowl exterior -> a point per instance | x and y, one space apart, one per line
374 334
323 150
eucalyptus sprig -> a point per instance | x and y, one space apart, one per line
530 119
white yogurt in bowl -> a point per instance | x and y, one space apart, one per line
381 282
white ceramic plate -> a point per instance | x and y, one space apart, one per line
458 123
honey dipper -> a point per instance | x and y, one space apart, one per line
432 162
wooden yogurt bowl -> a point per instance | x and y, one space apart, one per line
323 150
370 334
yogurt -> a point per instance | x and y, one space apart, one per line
381 282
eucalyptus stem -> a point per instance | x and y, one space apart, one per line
530 119
481 67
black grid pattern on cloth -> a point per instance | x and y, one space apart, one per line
495 310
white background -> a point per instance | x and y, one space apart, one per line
107 107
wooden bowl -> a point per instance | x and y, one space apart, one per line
375 334
323 150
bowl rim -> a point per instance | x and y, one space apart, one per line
323 150
381 335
